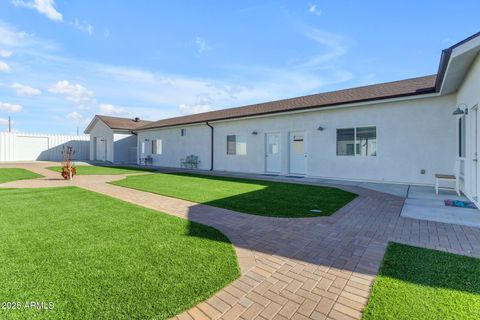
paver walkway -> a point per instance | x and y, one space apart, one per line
307 268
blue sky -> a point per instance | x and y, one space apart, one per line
63 61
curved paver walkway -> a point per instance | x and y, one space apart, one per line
308 268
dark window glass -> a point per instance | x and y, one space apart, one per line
345 142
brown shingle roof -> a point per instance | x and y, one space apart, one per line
123 123
402 88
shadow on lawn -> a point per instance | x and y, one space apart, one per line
279 199
352 239
348 239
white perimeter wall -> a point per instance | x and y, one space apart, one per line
412 135
28 147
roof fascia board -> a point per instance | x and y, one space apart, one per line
92 123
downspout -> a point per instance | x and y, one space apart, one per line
211 149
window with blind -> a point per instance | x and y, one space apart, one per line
236 145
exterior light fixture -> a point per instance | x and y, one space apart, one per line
320 128
459 111
254 132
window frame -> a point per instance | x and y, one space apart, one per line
356 141
155 146
236 143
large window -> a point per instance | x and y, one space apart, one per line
461 137
156 146
236 145
360 141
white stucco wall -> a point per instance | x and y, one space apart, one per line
412 135
101 131
469 94
175 147
124 148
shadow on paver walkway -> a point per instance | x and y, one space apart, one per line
293 268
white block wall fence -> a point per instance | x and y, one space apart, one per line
16 146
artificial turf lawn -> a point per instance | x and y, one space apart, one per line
96 257
13 174
416 283
265 198
103 170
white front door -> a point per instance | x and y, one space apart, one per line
272 153
298 153
101 149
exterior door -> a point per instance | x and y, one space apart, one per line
101 149
273 160
298 153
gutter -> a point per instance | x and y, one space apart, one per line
211 149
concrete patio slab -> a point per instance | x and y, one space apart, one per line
424 204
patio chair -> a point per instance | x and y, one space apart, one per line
449 178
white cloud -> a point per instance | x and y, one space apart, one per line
45 7
335 45
3 122
75 93
194 108
83 26
166 95
24 90
202 45
314 9
111 110
4 67
78 118
10 37
5 53
9 107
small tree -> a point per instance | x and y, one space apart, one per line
68 166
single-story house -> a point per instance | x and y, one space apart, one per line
112 139
400 132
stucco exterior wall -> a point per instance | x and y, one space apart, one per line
124 148
412 135
175 147
469 94
101 131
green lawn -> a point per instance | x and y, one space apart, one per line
258 197
12 174
96 257
416 283
104 170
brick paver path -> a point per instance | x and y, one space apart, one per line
308 268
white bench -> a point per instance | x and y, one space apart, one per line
450 178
